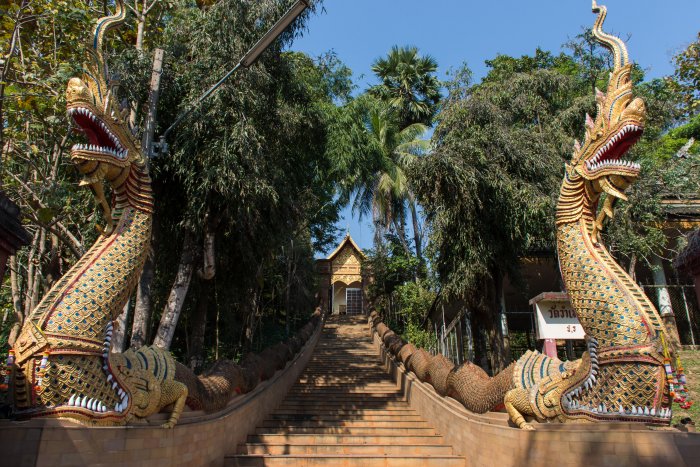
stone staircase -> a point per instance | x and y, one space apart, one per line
345 410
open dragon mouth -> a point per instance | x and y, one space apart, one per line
578 400
609 155
97 406
101 139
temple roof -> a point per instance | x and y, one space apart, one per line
347 240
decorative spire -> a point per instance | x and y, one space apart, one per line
97 71
614 44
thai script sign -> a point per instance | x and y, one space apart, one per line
555 317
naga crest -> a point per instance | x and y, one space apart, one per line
112 153
618 125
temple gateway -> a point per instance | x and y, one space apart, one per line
340 281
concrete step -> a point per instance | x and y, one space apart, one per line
327 412
343 423
345 404
330 417
349 460
294 439
323 391
345 384
342 398
334 448
342 380
345 411
345 430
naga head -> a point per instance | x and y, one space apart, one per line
111 151
618 125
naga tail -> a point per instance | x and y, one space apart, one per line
212 390
476 390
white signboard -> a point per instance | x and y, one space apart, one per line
556 319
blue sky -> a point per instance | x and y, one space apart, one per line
463 31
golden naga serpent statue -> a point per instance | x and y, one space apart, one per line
62 362
623 376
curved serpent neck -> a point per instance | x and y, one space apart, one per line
609 304
75 312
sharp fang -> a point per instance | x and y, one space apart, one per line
84 402
621 411
109 378
652 412
646 410
71 401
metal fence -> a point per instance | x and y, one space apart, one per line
683 302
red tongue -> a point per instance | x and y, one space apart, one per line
94 134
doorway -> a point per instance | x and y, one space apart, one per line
353 301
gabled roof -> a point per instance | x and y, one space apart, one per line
346 240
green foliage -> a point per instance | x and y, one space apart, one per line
254 158
686 78
47 40
488 188
418 336
390 266
413 300
402 301
408 85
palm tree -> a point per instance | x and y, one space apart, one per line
385 193
408 85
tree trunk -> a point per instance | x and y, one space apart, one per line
142 307
291 272
500 343
3 72
199 327
208 269
632 269
119 335
178 292
417 238
16 302
251 320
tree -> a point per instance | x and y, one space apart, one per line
252 153
386 151
42 47
489 186
411 89
408 85
686 78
